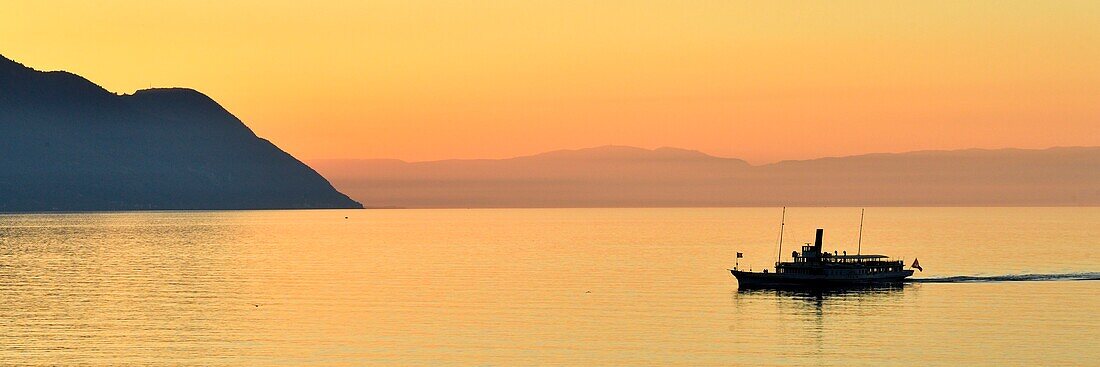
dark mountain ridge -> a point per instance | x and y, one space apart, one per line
68 144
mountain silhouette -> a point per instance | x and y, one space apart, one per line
633 177
67 144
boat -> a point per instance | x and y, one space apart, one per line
814 268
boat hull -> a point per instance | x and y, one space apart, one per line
751 280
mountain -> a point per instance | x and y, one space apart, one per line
632 177
67 144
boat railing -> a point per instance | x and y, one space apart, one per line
861 260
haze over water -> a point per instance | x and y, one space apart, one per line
538 287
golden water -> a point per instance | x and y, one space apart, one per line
536 287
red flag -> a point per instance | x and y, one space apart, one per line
916 265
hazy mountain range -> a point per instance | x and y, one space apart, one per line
618 176
68 144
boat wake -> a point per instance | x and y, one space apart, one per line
1009 278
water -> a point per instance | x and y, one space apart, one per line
540 287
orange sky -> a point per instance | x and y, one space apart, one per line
760 80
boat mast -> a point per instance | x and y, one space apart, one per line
859 242
782 222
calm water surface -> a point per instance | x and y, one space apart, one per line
538 287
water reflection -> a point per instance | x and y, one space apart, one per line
812 321
819 293
816 299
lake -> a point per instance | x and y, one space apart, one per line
540 287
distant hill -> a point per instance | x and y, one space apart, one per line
68 144
616 176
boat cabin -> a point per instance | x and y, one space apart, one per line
812 261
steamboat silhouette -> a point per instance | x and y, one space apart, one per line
814 268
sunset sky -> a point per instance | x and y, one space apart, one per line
759 80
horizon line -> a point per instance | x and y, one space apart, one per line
708 154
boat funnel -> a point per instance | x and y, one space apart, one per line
817 241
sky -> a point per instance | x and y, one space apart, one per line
758 80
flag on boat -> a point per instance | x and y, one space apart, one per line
916 265
740 255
